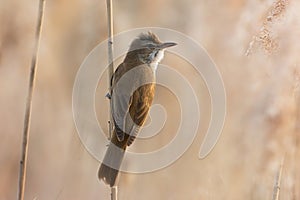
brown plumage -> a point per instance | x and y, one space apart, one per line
136 76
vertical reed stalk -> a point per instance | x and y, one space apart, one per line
114 193
114 189
110 56
276 190
27 117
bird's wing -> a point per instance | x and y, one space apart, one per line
140 105
131 103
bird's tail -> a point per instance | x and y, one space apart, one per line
110 166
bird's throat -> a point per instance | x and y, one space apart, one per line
156 61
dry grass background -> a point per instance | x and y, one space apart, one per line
263 90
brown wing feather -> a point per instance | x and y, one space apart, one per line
141 102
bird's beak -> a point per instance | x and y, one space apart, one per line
166 45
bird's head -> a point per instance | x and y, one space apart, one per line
149 48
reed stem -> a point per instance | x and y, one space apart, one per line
27 117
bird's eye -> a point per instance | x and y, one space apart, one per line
150 46
156 53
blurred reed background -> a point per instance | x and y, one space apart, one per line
254 44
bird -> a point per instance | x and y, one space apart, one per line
132 93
